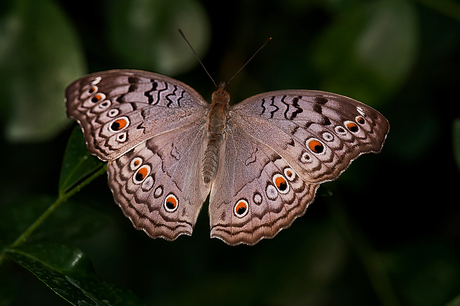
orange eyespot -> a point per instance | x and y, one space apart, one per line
135 163
289 174
340 130
305 158
121 137
360 120
119 124
141 174
98 97
171 203
241 208
281 183
316 146
352 127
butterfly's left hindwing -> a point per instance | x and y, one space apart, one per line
256 192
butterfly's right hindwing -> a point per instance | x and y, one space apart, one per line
158 185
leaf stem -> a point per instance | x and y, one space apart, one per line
61 199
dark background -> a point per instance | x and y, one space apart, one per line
389 234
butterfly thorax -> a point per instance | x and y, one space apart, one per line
216 121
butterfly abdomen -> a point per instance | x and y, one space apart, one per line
211 157
217 121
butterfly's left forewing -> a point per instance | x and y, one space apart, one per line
318 133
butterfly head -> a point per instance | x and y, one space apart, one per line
221 96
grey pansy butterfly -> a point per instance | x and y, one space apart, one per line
260 160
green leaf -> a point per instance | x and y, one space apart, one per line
69 273
144 33
425 273
70 223
17 216
456 141
370 50
9 285
448 7
78 163
39 56
389 41
454 302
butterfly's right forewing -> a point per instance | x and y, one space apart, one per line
119 109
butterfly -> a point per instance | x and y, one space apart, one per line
260 160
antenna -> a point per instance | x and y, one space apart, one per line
202 65
266 42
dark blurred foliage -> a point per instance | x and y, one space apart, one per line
388 235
